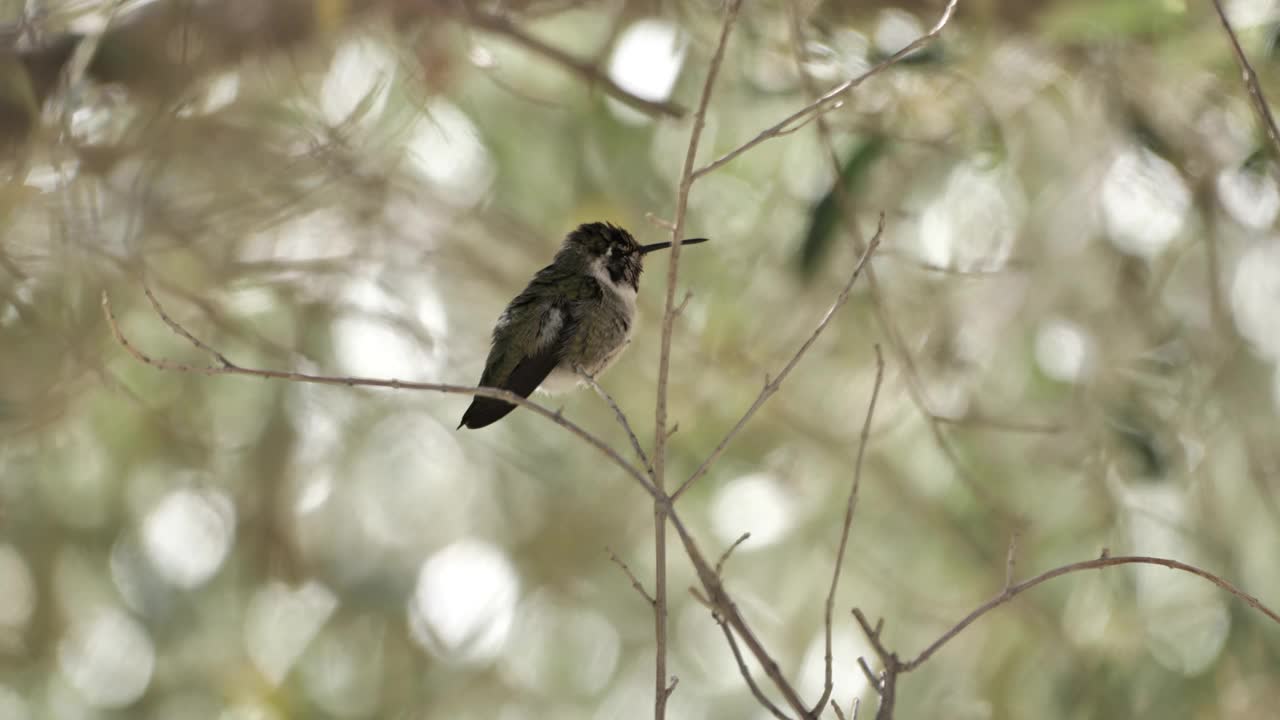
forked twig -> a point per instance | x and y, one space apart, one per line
887 684
853 709
823 103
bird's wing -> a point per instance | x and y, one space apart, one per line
520 372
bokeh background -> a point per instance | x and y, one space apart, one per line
1077 298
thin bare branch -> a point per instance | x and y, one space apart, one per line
635 582
771 386
590 72
824 103
1101 562
888 695
174 326
230 368
828 683
621 417
660 509
872 680
895 666
746 673
1259 101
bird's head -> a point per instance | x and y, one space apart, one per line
609 251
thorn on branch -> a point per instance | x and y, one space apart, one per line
720 564
672 687
688 294
1010 561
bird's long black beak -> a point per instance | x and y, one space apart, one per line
663 245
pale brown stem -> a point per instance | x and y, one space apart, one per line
756 692
828 683
664 369
620 416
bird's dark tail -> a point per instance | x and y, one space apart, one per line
485 411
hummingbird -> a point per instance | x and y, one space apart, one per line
576 314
